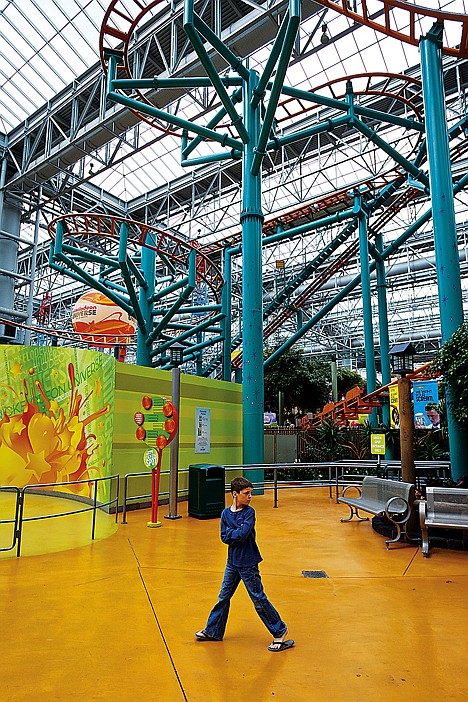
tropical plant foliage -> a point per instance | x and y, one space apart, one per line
452 363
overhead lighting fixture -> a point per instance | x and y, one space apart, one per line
325 38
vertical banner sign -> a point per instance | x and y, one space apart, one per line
394 407
425 396
202 430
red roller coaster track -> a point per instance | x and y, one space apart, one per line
405 21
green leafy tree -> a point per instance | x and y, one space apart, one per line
347 380
304 382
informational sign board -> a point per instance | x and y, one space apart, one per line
202 430
156 427
157 423
378 444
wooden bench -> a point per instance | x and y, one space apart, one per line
380 496
443 507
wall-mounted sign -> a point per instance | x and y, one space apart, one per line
202 430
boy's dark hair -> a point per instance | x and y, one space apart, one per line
239 484
432 405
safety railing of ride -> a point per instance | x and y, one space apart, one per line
53 490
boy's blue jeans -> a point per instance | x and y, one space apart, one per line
251 578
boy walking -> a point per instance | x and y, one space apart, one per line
238 531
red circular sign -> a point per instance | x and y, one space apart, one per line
161 442
139 418
140 434
170 425
147 402
168 409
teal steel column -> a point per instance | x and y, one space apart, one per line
148 267
383 323
199 359
226 309
443 216
366 302
252 322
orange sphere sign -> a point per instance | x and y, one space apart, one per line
100 321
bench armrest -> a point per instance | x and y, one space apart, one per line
422 512
358 488
405 515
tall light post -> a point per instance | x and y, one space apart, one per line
176 353
402 360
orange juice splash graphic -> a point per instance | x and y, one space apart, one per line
48 447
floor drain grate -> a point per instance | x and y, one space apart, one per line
314 574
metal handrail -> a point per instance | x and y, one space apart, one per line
126 498
330 482
8 488
286 466
41 488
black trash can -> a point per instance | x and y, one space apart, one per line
206 491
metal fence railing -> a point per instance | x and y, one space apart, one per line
333 474
19 519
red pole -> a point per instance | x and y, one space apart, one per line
155 475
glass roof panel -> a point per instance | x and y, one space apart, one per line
46 44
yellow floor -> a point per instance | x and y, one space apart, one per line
114 620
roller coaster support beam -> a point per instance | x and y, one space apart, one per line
383 323
148 267
391 248
366 302
283 47
184 295
381 143
253 128
252 300
193 35
125 266
188 148
62 263
335 104
187 334
29 308
133 104
445 234
227 309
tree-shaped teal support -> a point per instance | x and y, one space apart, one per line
253 127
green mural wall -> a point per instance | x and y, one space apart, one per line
222 399
68 414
